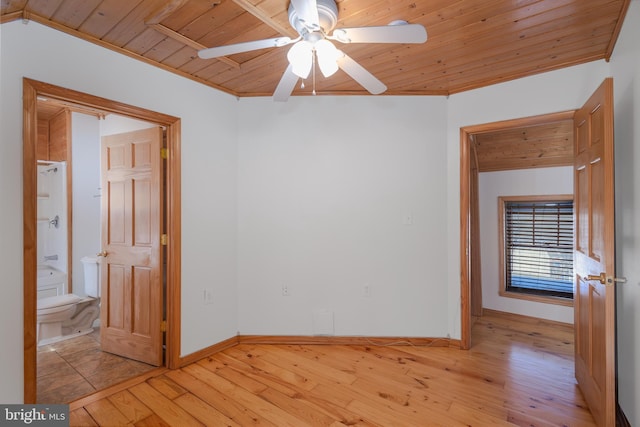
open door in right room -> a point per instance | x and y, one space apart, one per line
594 254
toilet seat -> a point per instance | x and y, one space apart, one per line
56 303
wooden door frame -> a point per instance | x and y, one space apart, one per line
466 136
32 89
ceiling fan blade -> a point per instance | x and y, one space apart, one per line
230 49
400 33
307 11
361 75
286 85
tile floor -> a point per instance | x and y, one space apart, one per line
73 368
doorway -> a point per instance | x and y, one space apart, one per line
32 90
470 283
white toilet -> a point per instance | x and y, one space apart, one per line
61 317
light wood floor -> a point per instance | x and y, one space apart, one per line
519 372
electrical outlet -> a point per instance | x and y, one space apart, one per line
207 296
285 291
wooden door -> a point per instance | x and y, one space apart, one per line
594 303
130 272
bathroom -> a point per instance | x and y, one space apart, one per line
68 212
70 362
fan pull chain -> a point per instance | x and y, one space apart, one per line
313 71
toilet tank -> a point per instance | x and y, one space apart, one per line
91 276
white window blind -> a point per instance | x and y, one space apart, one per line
539 247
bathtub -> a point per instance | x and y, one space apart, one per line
50 281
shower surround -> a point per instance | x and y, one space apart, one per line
52 215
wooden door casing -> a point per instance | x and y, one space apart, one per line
131 271
31 90
594 302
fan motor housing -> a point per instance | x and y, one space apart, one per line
327 14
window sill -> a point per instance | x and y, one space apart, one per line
538 298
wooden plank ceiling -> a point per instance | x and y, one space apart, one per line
472 43
533 146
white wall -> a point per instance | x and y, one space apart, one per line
85 155
526 182
324 184
114 124
315 209
625 65
208 177
11 232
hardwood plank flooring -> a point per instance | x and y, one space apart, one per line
519 372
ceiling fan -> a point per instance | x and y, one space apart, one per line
314 20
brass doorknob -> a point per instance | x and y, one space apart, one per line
102 254
601 278
607 280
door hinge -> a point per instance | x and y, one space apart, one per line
164 153
163 326
163 240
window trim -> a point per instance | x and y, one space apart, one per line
502 290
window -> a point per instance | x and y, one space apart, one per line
537 247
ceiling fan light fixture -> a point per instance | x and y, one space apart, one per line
327 57
300 57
